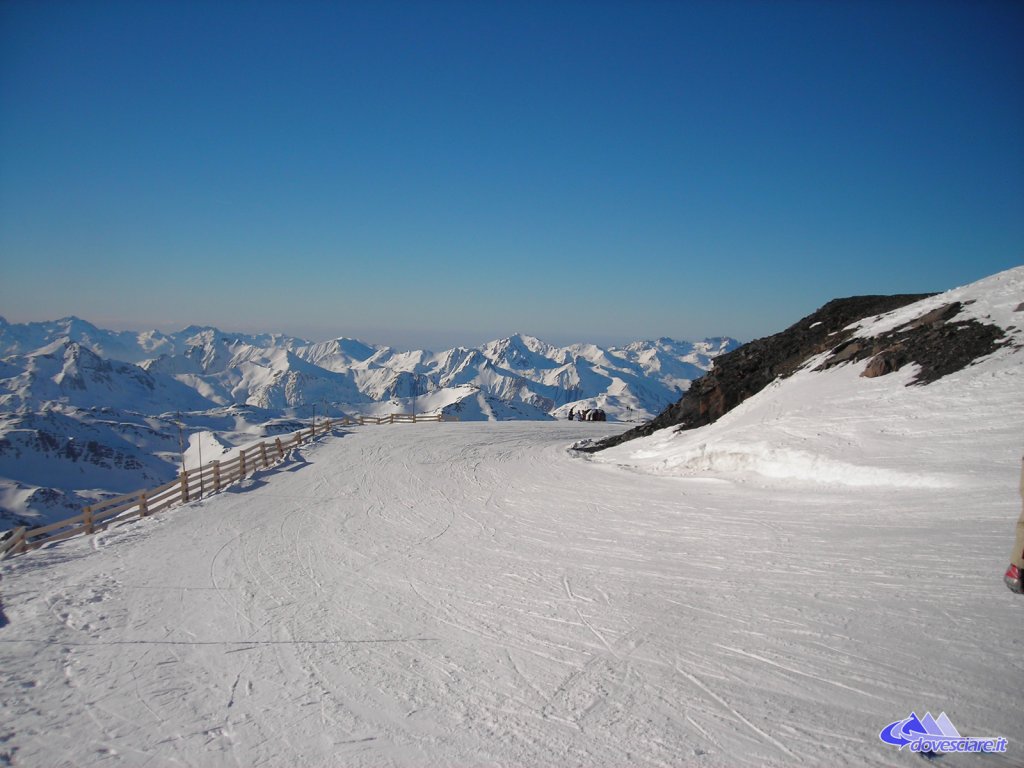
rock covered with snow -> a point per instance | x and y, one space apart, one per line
940 334
905 409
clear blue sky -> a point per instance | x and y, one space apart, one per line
434 173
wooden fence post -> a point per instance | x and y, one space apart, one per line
216 475
144 506
184 485
15 544
280 449
263 454
241 463
87 519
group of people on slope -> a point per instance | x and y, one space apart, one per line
587 414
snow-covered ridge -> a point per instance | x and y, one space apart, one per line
997 300
67 384
280 372
837 426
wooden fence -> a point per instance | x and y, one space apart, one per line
401 418
190 484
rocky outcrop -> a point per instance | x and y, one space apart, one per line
934 342
746 371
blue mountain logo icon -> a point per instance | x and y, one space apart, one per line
936 735
903 732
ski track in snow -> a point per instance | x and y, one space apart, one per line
472 594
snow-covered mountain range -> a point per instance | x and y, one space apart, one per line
73 362
86 411
767 581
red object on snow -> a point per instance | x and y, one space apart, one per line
1013 580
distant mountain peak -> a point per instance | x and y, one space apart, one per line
355 348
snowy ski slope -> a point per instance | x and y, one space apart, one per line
474 594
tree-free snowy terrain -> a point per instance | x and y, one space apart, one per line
770 590
471 594
74 363
87 413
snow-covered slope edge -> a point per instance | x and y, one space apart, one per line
835 425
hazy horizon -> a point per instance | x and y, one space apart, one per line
428 174
379 337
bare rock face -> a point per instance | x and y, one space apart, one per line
935 343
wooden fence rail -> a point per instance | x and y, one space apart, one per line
404 418
190 484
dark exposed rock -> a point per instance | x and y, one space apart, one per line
746 371
937 345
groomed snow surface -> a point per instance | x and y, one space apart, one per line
473 594
771 590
